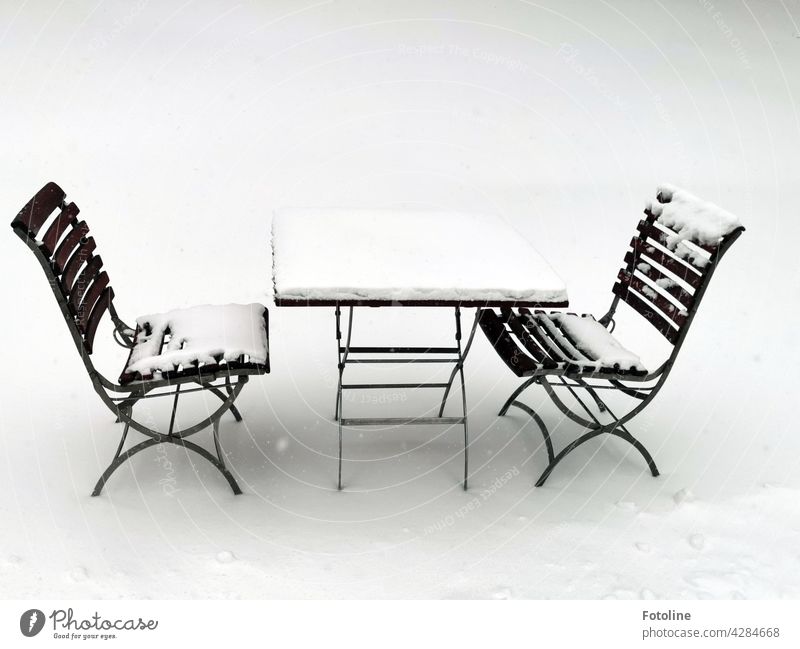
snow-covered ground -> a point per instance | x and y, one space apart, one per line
179 127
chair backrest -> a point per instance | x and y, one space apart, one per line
66 253
671 260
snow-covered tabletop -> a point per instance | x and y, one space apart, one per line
324 256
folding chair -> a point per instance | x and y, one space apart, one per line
214 347
666 273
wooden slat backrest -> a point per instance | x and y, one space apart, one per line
663 274
65 249
95 316
31 218
75 273
81 255
66 219
87 276
513 356
92 296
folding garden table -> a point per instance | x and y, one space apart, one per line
347 258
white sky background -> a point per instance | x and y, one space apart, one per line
179 127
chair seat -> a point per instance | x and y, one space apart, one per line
199 340
557 343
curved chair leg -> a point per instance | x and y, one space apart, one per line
548 442
233 409
219 465
515 394
597 400
566 451
120 459
639 447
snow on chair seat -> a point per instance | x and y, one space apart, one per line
197 339
205 349
666 272
563 343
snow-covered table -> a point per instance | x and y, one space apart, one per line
355 257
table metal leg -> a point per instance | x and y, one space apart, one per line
349 353
342 353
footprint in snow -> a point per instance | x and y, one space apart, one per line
697 541
225 556
14 561
503 593
643 547
78 574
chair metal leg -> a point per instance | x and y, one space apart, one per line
539 422
215 434
616 428
515 394
566 451
119 460
624 434
233 409
174 437
220 467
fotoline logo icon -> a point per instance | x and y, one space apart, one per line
31 622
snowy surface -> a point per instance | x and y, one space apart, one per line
202 334
692 218
178 128
391 254
593 339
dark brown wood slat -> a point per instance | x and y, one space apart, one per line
646 311
81 255
682 270
37 210
553 349
66 218
85 279
92 295
617 371
542 320
516 359
660 234
558 323
94 318
518 329
674 289
67 246
650 294
653 219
